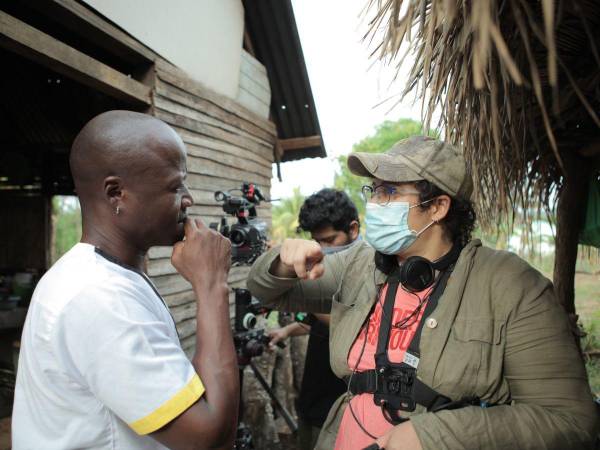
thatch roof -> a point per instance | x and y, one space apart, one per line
517 82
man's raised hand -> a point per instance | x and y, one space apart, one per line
302 258
204 256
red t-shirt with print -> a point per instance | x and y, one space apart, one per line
362 357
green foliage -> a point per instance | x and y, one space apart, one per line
590 343
593 371
386 135
66 222
285 217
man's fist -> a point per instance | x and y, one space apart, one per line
204 256
302 258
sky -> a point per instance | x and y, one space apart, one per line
346 87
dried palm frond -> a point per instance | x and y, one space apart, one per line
517 83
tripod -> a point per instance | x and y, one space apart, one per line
250 343
243 439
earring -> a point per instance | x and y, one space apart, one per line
117 211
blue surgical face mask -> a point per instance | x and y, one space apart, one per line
338 248
387 229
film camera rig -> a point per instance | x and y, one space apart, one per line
248 241
249 235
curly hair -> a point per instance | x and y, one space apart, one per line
327 207
459 223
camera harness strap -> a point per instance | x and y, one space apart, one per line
395 386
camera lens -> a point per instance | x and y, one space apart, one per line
249 321
253 348
237 237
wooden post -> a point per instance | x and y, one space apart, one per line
570 216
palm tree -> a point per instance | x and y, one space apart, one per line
285 217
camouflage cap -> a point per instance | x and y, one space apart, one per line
417 158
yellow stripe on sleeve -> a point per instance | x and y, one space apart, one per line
172 408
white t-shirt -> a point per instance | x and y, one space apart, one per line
101 365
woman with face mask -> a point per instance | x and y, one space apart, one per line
443 343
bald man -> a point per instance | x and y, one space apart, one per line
101 365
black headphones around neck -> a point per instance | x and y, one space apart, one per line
416 273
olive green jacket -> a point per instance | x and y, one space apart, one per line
500 335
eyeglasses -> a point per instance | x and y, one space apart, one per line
383 193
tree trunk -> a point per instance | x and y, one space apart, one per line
570 216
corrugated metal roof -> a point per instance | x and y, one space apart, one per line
272 30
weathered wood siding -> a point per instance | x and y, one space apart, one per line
255 91
226 144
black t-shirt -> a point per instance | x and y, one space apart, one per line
320 386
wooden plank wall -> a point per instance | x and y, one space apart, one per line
255 91
227 144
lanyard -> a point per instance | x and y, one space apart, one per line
381 354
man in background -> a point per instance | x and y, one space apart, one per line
332 220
